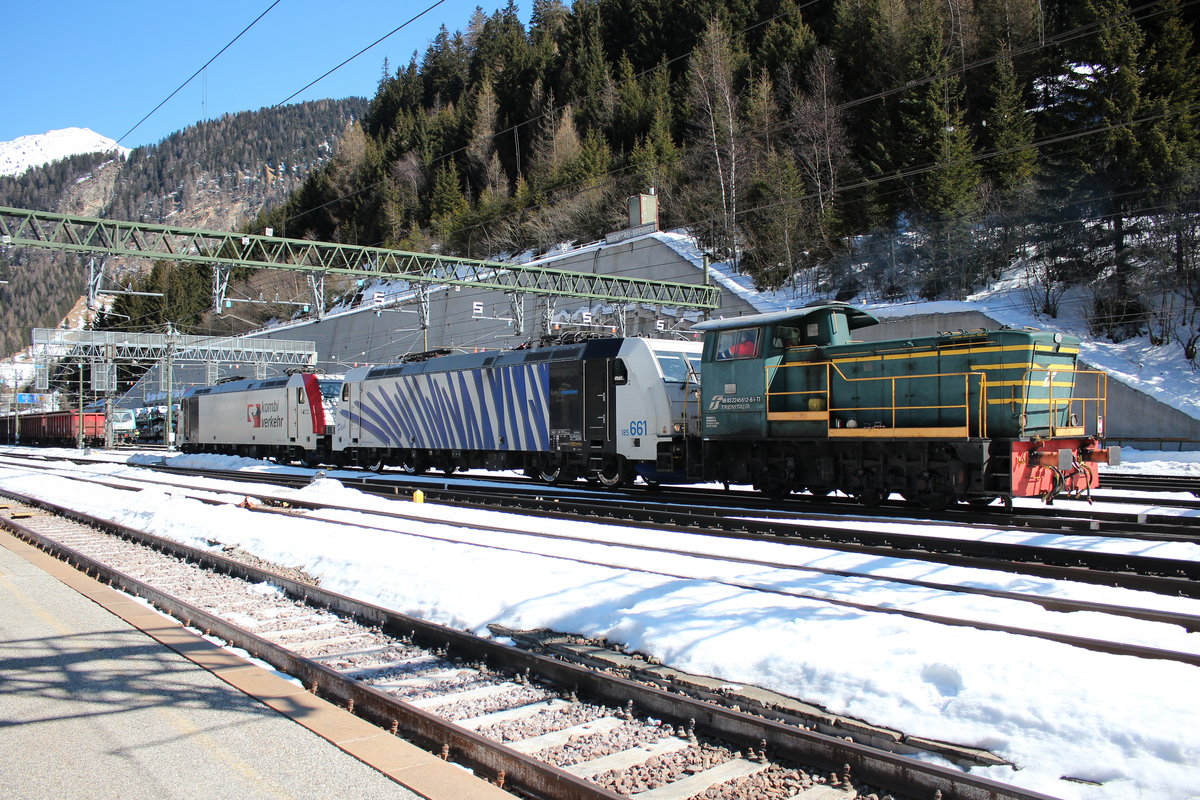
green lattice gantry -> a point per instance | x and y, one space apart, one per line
224 250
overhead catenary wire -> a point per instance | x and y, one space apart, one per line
310 84
1065 36
859 100
197 72
262 113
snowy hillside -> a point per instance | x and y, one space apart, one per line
1159 371
32 151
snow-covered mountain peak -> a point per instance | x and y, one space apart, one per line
32 151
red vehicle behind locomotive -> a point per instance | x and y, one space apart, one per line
54 428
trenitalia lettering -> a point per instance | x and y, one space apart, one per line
727 402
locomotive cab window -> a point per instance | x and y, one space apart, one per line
300 395
738 343
787 336
330 390
677 368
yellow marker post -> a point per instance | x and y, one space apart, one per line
418 496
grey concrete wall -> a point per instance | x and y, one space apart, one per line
381 337
370 336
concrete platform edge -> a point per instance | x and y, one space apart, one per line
408 765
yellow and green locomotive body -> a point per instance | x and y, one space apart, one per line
790 402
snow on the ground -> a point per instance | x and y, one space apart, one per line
1129 724
1155 463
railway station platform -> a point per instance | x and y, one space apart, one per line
102 697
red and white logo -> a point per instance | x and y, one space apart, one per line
254 415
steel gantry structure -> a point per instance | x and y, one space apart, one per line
224 251
103 349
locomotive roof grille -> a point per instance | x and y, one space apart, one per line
228 386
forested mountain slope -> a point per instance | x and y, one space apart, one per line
216 174
871 148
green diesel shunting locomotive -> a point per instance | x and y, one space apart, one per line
789 402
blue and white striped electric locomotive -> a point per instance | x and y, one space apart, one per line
609 409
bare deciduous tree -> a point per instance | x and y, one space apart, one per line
717 109
819 133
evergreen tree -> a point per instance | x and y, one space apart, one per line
951 211
1169 137
787 43
1011 168
445 68
656 159
777 224
633 112
447 203
868 43
1116 170
592 89
1013 165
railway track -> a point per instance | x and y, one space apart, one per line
1150 483
1155 524
685 505
751 519
267 501
542 726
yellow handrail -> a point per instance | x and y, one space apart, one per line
1055 406
1068 415
972 418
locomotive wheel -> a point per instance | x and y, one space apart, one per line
614 474
869 492
931 492
930 500
869 498
936 501
553 472
413 464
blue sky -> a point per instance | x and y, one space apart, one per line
104 66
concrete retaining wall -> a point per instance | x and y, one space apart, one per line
469 319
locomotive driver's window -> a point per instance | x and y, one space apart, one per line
300 395
741 343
